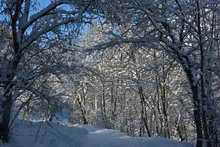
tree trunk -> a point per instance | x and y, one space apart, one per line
5 120
83 111
7 99
197 104
143 111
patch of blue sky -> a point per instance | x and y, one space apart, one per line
43 3
38 5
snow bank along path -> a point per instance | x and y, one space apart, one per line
45 134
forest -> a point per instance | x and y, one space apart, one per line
144 67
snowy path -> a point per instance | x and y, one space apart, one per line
113 138
107 138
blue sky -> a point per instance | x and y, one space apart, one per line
43 3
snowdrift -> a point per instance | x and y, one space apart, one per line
46 134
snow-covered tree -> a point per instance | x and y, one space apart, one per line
29 56
188 31
132 88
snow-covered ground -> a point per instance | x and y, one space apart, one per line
42 134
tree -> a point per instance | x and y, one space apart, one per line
29 32
130 87
188 32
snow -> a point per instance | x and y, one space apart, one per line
44 134
113 138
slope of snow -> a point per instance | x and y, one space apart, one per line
42 134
